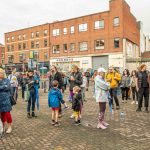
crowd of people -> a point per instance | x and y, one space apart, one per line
107 87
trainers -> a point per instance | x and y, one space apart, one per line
133 102
146 110
53 122
57 124
101 126
117 107
66 107
28 115
9 130
138 110
76 123
105 124
33 115
72 116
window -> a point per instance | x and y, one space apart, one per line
8 39
116 43
3 55
12 47
45 42
45 56
65 31
8 48
72 47
37 34
65 48
24 36
2 61
10 58
19 37
83 46
56 49
21 58
116 21
19 46
99 44
99 24
72 29
45 32
24 45
83 27
32 44
37 44
55 32
32 35
12 38
36 55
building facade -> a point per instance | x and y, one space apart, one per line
2 55
96 40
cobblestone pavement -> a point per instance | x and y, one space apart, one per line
39 134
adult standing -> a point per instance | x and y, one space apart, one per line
113 78
143 84
75 79
55 75
101 94
14 84
125 85
37 86
133 87
32 99
5 104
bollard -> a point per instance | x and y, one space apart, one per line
44 86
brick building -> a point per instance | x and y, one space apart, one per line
2 54
101 39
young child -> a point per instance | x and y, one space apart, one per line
77 104
54 99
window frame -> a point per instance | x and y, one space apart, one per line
82 27
118 43
82 50
99 47
99 24
57 51
116 23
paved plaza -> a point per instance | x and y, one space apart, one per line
39 134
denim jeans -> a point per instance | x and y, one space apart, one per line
31 101
113 94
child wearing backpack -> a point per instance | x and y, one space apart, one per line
54 99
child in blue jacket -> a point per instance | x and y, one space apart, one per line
54 99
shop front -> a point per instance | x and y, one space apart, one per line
64 64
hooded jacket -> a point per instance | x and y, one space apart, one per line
55 98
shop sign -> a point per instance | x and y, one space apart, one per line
64 60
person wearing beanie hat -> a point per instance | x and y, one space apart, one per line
101 95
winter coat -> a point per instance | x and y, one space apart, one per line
5 105
57 77
55 98
77 102
125 82
78 80
114 82
101 89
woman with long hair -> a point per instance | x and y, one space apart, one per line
125 85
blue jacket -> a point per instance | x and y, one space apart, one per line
55 98
5 105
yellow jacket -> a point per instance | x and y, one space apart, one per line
113 78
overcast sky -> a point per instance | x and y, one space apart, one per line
18 14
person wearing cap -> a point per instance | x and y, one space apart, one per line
101 95
143 85
113 78
5 104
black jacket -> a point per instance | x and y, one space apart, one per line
77 102
57 77
78 80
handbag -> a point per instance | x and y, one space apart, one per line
12 101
